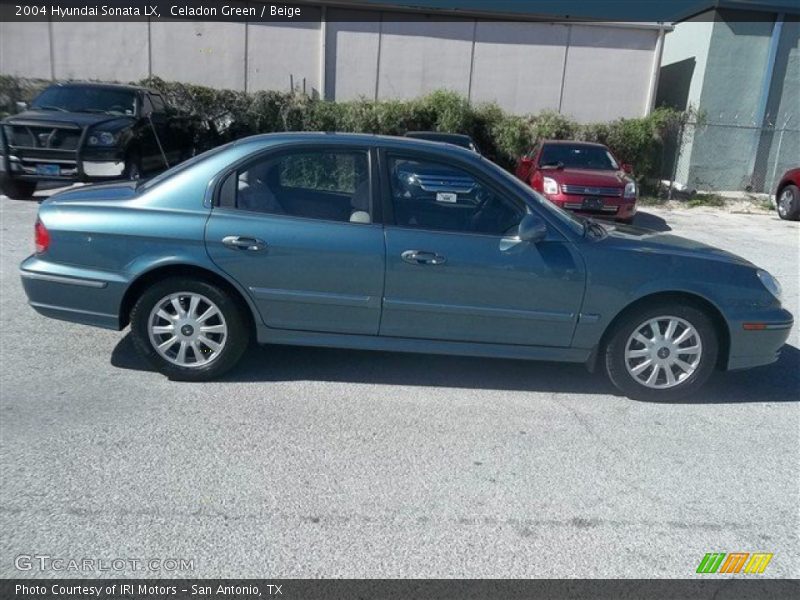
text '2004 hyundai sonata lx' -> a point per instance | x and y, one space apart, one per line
359 241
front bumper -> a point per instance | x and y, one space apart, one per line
757 347
85 170
80 164
69 293
613 207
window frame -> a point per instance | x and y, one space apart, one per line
387 154
280 150
150 97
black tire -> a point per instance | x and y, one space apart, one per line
236 339
16 189
787 203
615 361
133 167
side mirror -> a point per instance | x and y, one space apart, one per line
21 106
627 167
532 229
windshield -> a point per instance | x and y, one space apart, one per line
573 222
75 98
577 156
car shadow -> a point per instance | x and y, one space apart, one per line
779 382
650 221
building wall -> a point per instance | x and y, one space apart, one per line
783 110
689 41
736 146
590 72
520 65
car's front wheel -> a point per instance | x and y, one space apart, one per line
662 352
188 329
788 203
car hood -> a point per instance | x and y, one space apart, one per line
54 118
638 239
588 177
100 192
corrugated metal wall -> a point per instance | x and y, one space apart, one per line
587 71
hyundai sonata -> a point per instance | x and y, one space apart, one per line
358 241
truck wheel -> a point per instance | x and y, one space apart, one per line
17 190
662 352
133 167
788 203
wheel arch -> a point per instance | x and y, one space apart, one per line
700 302
159 273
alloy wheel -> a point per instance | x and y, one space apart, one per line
663 352
785 202
187 329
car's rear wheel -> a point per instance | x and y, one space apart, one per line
17 190
788 203
662 352
189 329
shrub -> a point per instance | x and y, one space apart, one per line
502 137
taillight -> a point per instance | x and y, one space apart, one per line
42 237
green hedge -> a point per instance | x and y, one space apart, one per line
502 137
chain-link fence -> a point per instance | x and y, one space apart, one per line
729 156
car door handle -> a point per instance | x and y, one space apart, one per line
422 257
244 243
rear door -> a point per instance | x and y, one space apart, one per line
295 227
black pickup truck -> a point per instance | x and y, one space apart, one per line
91 132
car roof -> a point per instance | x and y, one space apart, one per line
438 135
395 142
108 86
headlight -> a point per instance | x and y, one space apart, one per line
630 189
102 138
773 285
549 186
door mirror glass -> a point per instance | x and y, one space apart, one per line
532 229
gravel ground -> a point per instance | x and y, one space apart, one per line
331 463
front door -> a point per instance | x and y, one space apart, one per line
295 228
455 272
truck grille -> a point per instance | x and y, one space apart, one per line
446 183
32 137
588 190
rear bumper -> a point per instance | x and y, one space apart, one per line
751 348
72 294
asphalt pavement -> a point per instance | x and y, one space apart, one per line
336 463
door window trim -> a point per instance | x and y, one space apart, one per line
283 149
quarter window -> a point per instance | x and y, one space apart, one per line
158 103
433 195
328 185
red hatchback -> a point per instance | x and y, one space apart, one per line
581 177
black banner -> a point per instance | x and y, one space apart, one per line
383 10
734 588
